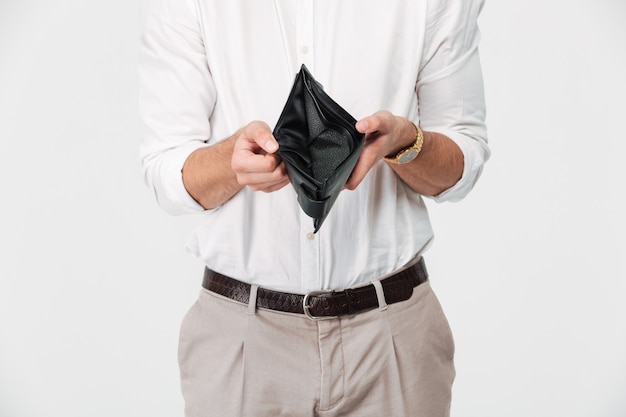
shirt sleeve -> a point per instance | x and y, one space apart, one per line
176 98
450 87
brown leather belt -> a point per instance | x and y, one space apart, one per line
321 304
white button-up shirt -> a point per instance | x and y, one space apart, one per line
209 67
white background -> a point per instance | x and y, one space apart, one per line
530 269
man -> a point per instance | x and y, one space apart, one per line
214 78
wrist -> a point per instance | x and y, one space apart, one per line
405 136
410 149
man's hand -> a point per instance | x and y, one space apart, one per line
438 166
384 135
213 174
254 161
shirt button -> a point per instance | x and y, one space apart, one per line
310 236
304 50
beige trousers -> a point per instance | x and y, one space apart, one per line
239 361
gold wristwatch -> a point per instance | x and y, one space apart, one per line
408 154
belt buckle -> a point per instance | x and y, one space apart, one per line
306 307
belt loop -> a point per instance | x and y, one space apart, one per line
252 300
380 294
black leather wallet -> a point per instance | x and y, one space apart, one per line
318 143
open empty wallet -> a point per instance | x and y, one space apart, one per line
318 143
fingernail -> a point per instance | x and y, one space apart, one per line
271 146
361 125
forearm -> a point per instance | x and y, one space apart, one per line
208 176
438 166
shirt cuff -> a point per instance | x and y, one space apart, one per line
166 178
475 154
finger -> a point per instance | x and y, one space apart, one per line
261 179
267 186
372 152
358 174
275 187
367 124
376 122
259 133
249 162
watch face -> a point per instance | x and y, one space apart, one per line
407 156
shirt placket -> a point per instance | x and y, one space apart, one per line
304 34
310 246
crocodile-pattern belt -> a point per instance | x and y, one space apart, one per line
321 304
